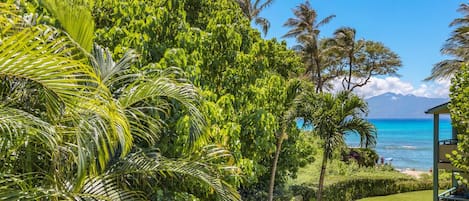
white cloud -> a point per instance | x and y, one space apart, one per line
377 86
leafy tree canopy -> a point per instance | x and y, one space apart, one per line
240 75
459 109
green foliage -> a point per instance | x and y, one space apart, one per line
91 130
75 18
252 10
356 188
459 109
305 28
242 78
455 47
338 58
355 182
149 27
363 156
363 58
333 116
415 196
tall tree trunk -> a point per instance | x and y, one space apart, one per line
274 165
350 64
321 177
318 68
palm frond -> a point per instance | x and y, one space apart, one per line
70 89
75 18
161 86
10 20
264 5
18 187
16 125
464 9
364 129
444 69
264 23
456 46
105 187
109 70
246 7
41 56
325 21
150 164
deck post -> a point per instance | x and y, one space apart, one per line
436 144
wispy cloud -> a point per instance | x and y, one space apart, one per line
377 86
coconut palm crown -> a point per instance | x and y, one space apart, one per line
252 9
456 46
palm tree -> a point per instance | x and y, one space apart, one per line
305 29
333 117
345 40
43 148
363 58
287 117
133 92
79 137
252 10
456 46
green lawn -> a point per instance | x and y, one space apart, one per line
414 196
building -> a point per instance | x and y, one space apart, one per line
440 161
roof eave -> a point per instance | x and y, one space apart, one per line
440 109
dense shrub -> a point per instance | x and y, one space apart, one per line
459 109
363 156
358 188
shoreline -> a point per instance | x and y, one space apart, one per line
414 173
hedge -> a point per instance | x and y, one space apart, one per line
358 188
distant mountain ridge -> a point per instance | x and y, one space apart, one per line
398 106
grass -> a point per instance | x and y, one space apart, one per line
338 171
414 196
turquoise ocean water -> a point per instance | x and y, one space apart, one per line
408 142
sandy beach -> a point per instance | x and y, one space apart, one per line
414 173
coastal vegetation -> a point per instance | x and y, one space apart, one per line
348 180
184 100
456 46
416 196
459 109
252 11
333 117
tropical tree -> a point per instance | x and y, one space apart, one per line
81 138
332 117
305 29
137 94
327 56
70 107
332 59
363 58
238 74
456 46
252 9
345 40
286 119
459 109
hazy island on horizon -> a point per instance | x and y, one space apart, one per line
398 106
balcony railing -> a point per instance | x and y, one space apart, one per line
449 142
451 195
446 147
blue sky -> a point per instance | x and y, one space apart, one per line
414 29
